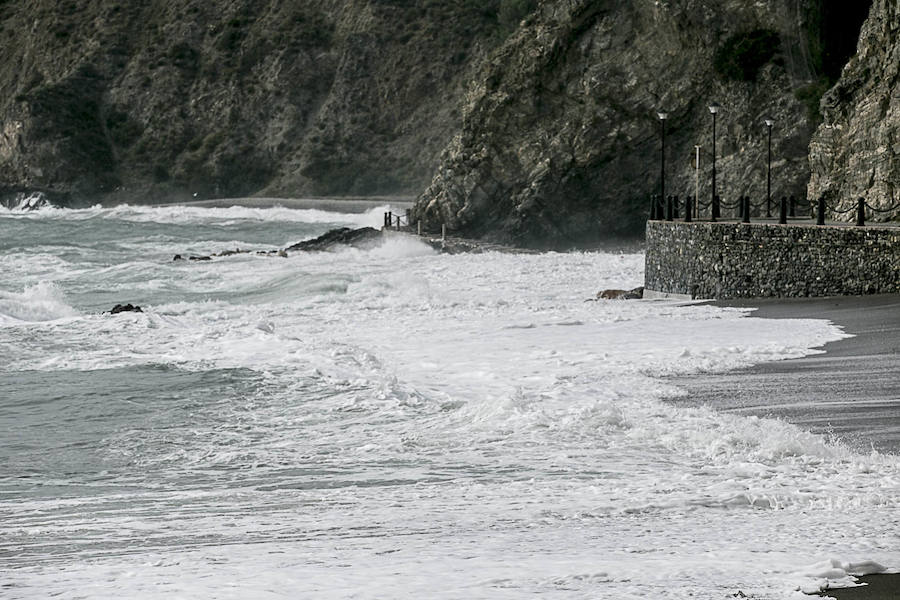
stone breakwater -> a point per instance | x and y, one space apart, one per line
736 260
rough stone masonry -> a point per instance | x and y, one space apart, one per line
738 260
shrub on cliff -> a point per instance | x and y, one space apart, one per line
742 55
511 12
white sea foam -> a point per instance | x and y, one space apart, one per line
426 426
179 214
41 302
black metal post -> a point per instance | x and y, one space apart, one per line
688 208
669 208
714 109
769 123
792 207
820 213
782 212
745 205
714 209
861 212
662 158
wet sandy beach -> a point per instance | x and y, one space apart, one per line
851 391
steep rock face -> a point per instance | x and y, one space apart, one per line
560 140
103 99
855 152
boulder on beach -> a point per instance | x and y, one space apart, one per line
634 294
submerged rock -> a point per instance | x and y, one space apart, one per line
120 308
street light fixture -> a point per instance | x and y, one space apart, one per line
663 115
714 108
769 122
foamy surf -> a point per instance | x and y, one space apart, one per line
423 425
41 302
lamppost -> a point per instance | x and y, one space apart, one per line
663 115
697 181
769 122
714 108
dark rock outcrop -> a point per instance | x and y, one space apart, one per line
365 237
856 150
539 132
560 140
120 308
109 100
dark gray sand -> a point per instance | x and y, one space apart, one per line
878 587
851 391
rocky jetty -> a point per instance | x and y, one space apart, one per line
365 237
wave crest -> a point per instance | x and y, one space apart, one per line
41 302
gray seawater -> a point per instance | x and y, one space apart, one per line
391 423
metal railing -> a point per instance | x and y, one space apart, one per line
742 209
395 221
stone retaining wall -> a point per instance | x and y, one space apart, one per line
736 260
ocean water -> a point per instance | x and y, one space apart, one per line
392 423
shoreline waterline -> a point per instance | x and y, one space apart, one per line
850 389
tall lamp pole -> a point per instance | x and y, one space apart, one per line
663 115
697 181
769 122
714 108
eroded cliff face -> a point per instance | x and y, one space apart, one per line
560 141
545 137
855 152
163 99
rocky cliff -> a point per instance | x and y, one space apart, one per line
530 121
160 99
856 150
560 140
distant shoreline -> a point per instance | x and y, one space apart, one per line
344 204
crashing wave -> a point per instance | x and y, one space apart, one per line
41 302
27 201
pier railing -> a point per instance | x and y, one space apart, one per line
396 221
743 208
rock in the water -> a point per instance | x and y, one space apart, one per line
358 238
635 294
119 308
